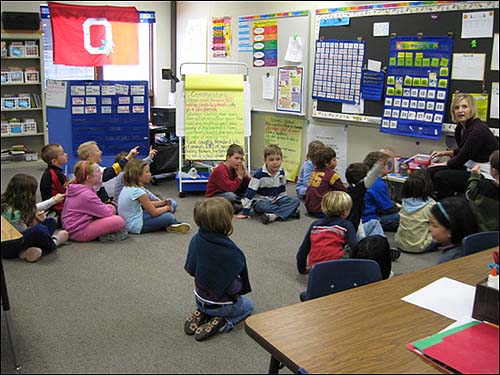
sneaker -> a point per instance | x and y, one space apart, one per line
60 237
115 236
31 254
179 228
193 321
215 325
237 208
296 214
395 254
267 218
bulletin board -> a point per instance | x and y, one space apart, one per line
417 19
115 114
289 25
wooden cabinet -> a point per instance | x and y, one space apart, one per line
24 120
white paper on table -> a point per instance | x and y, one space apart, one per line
477 25
381 29
354 108
494 54
268 87
294 50
494 100
445 296
468 66
374 65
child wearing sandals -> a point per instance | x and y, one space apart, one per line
141 214
220 272
85 216
19 207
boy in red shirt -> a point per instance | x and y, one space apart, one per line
230 179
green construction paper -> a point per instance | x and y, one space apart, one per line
438 337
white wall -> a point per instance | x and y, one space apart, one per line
162 37
361 138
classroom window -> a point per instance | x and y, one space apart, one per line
142 71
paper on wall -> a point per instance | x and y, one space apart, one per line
468 66
494 100
494 54
268 87
477 25
294 50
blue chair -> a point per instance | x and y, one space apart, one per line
476 242
334 276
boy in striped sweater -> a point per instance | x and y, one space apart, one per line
266 192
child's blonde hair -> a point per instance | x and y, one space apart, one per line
85 149
272 149
133 171
214 215
336 203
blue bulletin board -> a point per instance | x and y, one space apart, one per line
115 114
417 85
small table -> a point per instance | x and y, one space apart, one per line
10 237
362 330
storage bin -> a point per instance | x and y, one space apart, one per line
193 184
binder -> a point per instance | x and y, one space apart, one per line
471 348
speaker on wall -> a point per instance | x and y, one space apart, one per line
20 21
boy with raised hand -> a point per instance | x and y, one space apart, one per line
90 152
266 193
230 179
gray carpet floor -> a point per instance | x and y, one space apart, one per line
120 307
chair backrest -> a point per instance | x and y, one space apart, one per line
334 276
479 242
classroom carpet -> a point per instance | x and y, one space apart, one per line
119 307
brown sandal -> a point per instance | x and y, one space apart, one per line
193 321
214 326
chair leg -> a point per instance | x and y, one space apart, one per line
274 366
7 323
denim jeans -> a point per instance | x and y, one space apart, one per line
373 227
39 235
233 313
283 207
230 196
156 223
390 223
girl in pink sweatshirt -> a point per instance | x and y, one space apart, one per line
84 216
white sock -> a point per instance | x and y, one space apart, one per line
54 238
272 217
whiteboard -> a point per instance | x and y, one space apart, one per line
287 27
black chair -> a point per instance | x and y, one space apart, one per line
476 242
334 276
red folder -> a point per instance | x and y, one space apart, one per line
471 348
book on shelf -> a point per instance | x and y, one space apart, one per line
37 100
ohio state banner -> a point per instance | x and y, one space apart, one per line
94 35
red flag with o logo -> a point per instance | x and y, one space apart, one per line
94 35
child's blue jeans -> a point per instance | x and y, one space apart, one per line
156 223
233 313
283 207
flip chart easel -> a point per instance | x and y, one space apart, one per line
213 112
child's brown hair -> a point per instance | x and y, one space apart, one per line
323 157
234 149
20 195
214 215
272 149
50 152
132 172
313 148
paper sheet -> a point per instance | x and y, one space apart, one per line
477 25
494 100
494 54
381 29
294 50
468 66
268 87
445 296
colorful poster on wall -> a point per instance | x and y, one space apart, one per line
265 43
214 115
286 133
221 37
289 89
244 44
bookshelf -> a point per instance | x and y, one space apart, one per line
23 112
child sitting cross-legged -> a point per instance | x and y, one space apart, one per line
85 216
220 272
266 193
323 179
327 238
141 214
